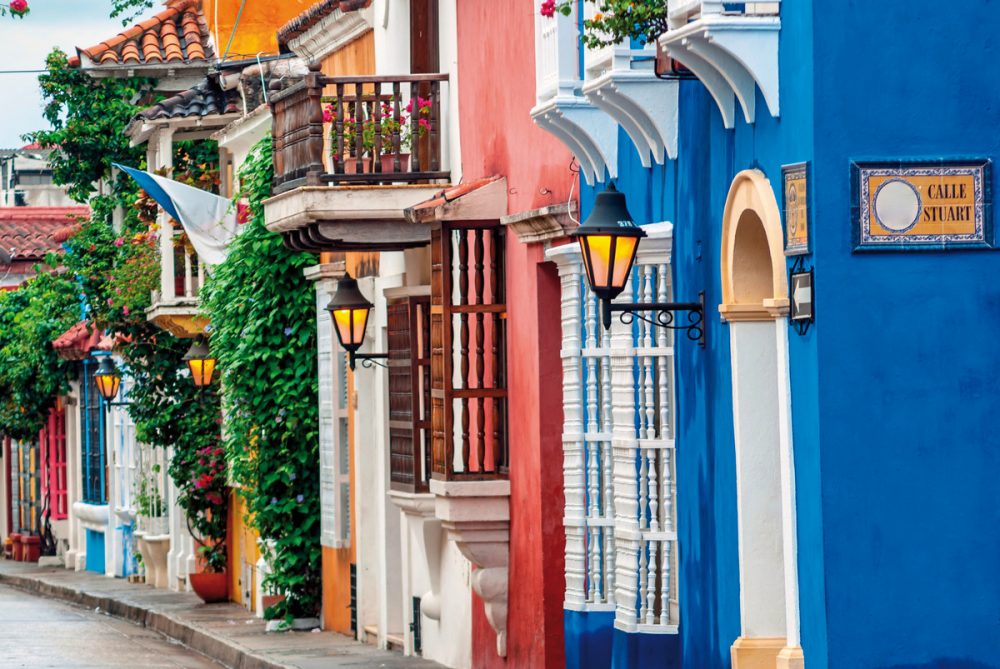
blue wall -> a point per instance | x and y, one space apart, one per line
908 354
95 551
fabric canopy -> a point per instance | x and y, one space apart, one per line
208 219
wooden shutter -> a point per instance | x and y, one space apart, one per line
409 393
468 299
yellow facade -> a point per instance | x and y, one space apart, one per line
256 31
243 554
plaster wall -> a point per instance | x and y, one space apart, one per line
497 92
906 347
255 31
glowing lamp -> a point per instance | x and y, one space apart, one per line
107 379
609 239
201 363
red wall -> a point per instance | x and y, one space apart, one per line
496 92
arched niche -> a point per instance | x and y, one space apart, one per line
754 284
755 304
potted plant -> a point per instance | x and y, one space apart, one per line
203 494
389 127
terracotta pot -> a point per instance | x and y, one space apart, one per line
267 601
8 548
211 587
32 548
351 165
387 163
17 548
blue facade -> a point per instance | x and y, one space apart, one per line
892 390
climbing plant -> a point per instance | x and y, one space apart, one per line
616 21
31 374
264 336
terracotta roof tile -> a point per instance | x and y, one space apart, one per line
30 231
80 340
314 15
178 34
203 99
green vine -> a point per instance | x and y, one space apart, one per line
264 336
616 21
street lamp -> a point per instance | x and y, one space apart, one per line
350 310
107 379
201 363
609 240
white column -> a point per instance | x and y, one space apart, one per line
163 157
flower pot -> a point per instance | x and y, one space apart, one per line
17 548
351 165
267 601
32 548
388 163
211 587
8 548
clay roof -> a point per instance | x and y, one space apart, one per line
179 34
77 342
491 204
314 15
28 233
203 99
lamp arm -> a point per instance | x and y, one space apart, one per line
664 315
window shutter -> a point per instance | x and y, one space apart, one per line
409 388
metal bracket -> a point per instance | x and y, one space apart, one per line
663 316
368 360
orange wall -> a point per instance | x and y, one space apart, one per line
243 550
257 28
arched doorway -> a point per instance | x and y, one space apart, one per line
755 304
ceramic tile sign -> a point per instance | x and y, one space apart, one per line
795 182
928 205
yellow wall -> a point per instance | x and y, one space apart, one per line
243 550
257 28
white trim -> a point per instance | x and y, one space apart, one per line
332 33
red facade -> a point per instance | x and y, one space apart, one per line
496 93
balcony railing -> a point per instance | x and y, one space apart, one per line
181 272
690 10
359 130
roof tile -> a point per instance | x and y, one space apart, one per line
29 232
157 39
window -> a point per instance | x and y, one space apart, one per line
94 491
53 443
468 353
409 393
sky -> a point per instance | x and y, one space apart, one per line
24 45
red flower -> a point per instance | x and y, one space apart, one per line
548 8
19 7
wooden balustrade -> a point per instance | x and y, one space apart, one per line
468 375
358 130
409 350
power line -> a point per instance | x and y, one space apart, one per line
23 71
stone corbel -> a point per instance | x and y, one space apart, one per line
476 516
419 507
540 225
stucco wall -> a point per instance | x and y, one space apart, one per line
496 74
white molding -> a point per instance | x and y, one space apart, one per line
332 33
731 54
589 134
644 105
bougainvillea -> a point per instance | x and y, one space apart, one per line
17 8
616 21
263 317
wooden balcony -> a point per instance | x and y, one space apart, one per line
351 154
174 306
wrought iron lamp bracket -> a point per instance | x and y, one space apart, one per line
663 315
368 360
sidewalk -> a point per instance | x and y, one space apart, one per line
226 633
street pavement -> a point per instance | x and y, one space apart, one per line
38 632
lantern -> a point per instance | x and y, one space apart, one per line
609 239
349 310
201 363
107 379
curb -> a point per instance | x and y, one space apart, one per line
209 645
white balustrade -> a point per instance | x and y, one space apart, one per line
685 11
557 54
621 542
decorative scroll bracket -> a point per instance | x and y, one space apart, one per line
663 316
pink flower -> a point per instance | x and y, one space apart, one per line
548 8
125 311
110 301
424 123
18 6
119 241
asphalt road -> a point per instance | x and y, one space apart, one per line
37 632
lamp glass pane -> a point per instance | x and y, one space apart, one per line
350 324
202 370
596 251
625 249
107 385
